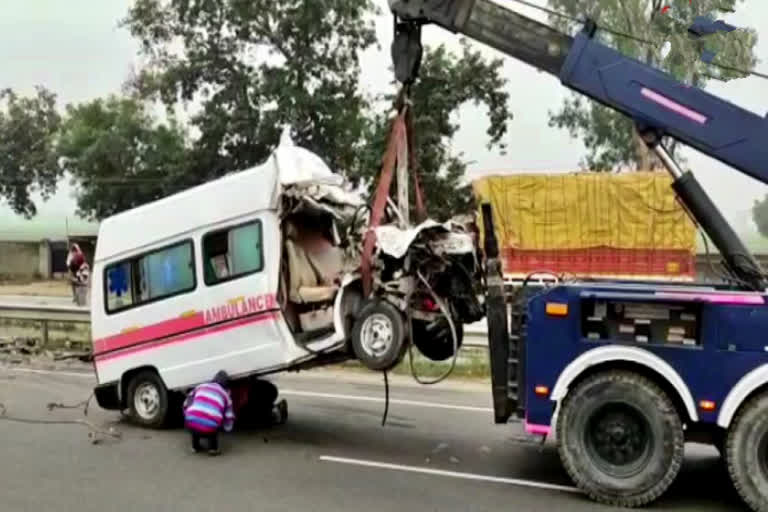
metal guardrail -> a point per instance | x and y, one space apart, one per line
475 335
44 314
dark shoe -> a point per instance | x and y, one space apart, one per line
280 412
214 453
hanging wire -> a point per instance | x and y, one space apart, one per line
632 37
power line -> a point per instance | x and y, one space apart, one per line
633 37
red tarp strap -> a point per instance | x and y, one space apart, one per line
421 211
396 136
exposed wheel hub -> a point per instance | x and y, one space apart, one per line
377 335
146 400
619 440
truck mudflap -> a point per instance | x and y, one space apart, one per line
108 396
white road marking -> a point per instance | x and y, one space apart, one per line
452 474
361 398
52 372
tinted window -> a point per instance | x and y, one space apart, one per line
119 290
166 272
233 253
152 276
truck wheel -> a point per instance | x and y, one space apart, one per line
148 399
434 340
261 401
746 453
620 439
378 336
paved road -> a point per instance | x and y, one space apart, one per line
332 456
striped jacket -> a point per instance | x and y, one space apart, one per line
208 408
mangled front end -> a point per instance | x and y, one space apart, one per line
424 279
431 274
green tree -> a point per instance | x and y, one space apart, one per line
446 82
119 157
28 161
760 215
244 69
609 137
248 68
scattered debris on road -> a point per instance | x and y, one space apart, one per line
21 350
96 434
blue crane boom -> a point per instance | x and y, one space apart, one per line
657 103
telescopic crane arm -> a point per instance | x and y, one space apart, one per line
659 105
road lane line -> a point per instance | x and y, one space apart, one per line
452 474
361 398
53 372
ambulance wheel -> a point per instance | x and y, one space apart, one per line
378 336
147 399
746 453
261 401
620 438
262 394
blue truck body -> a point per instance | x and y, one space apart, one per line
731 342
625 373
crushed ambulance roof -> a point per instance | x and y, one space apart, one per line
228 197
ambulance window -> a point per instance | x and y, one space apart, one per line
119 290
152 276
166 272
232 253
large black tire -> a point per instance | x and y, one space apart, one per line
148 399
378 336
434 340
746 453
261 402
620 439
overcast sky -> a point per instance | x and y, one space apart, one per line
76 49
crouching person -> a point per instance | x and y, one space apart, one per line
207 410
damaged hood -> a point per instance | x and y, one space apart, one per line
395 241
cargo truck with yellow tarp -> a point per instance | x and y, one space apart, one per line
621 226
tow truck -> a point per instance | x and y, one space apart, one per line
623 374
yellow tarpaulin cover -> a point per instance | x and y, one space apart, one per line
634 210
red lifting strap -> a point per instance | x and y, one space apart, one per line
396 136
421 211
400 134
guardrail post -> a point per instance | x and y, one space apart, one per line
44 333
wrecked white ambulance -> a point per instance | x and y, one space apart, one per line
258 272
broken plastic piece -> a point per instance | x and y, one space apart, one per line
704 26
707 56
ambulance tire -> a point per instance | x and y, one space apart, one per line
620 438
378 336
745 453
148 399
262 395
